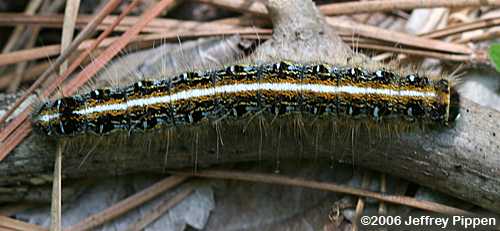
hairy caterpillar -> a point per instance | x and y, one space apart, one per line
411 154
240 91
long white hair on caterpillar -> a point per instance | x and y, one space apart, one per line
268 98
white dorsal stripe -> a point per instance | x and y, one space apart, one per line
235 88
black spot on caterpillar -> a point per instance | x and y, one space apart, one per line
276 90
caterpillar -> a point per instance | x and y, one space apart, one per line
240 91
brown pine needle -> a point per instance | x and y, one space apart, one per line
70 16
45 51
159 210
17 33
463 27
15 137
29 54
7 223
19 135
94 44
71 13
33 32
116 47
422 53
393 5
253 7
360 206
247 32
7 147
56 207
258 8
283 180
127 204
157 25
19 29
107 9
397 37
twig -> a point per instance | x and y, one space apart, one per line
71 13
392 5
85 33
17 33
157 25
253 7
88 46
101 40
258 8
273 179
159 210
12 141
13 224
374 32
70 16
397 37
20 68
369 44
45 51
127 204
422 53
55 211
32 34
249 33
360 205
366 30
83 76
18 30
463 27
59 80
492 34
29 54
116 47
382 208
11 127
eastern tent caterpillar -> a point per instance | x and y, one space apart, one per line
241 91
